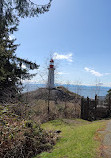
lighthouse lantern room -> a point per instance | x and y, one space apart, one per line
51 75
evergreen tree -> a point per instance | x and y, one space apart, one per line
11 70
24 8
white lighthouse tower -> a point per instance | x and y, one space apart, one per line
51 75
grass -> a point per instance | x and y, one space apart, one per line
77 139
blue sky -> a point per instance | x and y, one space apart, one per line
77 33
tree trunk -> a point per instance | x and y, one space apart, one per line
1 9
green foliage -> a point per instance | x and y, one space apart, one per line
24 8
108 96
11 70
109 92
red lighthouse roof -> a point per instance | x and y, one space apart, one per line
51 60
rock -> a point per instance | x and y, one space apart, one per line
58 131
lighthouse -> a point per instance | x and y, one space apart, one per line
51 75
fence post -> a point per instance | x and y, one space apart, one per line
48 101
95 107
65 108
87 109
82 108
109 104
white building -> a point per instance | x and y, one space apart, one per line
51 75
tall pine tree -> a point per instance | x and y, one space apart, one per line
11 70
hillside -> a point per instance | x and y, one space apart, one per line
20 122
44 105
20 137
26 129
59 93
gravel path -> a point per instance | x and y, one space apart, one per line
106 146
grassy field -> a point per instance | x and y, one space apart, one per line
78 139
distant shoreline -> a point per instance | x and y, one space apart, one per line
82 90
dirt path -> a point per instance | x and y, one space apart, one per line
106 145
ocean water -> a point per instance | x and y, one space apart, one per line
85 91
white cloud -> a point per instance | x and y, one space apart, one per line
93 72
67 57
